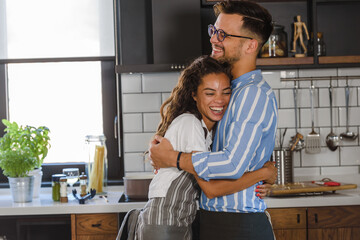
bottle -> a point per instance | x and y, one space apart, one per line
55 183
83 182
320 45
96 169
63 190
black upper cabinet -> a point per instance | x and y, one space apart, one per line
157 35
164 35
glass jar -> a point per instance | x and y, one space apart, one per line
318 45
276 46
97 167
55 183
63 190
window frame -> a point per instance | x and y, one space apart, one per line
110 90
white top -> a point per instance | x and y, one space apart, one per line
186 134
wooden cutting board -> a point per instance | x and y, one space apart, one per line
306 187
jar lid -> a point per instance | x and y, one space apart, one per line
63 179
95 138
56 177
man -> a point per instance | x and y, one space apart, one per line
244 138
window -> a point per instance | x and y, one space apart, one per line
57 68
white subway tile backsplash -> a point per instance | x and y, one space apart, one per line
325 158
132 122
339 170
286 118
137 142
338 96
350 156
143 95
151 121
354 116
349 71
296 159
131 83
321 117
306 171
324 72
149 102
164 97
159 82
134 162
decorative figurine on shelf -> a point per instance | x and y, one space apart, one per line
298 34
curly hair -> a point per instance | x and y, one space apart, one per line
181 98
255 17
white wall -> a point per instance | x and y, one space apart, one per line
143 95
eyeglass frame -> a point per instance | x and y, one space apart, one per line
225 34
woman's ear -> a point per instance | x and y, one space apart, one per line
194 96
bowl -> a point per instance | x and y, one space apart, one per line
137 186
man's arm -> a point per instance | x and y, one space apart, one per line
216 188
163 155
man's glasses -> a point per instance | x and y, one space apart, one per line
220 34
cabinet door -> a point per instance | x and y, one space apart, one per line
95 226
340 222
289 223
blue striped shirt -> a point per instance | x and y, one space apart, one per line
244 141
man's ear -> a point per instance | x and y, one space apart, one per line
252 45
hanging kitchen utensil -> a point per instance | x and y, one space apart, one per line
312 140
332 140
296 143
349 136
282 139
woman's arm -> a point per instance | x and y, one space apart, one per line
216 188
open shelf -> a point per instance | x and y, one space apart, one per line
284 61
339 59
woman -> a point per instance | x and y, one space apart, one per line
187 118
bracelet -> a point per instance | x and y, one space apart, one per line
178 161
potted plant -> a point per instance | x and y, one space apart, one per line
22 149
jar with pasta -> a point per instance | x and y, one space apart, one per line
97 166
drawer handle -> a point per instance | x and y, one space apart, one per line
96 225
316 218
298 218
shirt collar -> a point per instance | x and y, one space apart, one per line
246 78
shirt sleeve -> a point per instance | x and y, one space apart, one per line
249 115
189 135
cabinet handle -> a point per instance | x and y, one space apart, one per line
96 225
316 218
298 218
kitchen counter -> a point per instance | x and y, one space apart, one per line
45 205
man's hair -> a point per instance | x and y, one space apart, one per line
255 17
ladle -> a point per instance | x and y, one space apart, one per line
297 142
332 140
350 136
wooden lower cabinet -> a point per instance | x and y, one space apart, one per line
103 226
315 223
289 223
336 223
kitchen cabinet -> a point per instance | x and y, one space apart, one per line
155 36
334 223
340 222
94 226
289 223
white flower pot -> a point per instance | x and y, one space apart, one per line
37 173
22 189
